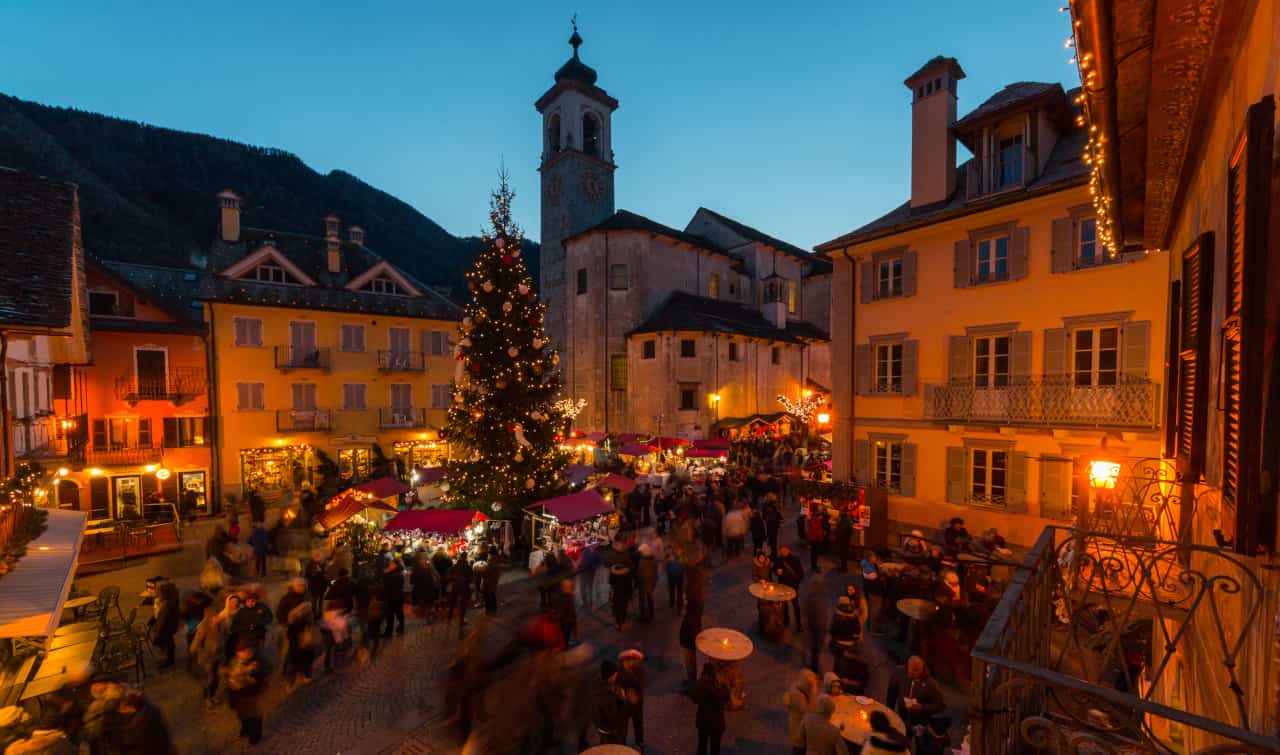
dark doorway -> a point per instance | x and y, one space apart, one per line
152 368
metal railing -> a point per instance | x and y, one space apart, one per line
121 455
402 361
302 420
1107 643
397 417
180 384
51 437
290 358
1046 401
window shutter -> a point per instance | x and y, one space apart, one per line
867 285
909 273
910 367
957 458
171 432
1231 400
1172 348
907 478
1055 352
862 461
242 395
256 400
1019 253
862 369
1020 357
99 433
962 260
1055 488
239 332
99 498
958 358
1192 384
1015 491
1062 253
1135 338
144 433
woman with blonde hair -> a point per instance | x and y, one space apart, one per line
800 700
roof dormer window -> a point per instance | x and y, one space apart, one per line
269 273
1009 157
384 285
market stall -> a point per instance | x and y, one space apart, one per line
869 507
572 522
372 501
576 474
452 529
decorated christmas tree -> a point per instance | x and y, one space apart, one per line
503 427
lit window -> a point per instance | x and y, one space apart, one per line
1096 354
987 471
793 298
888 368
992 260
991 362
888 460
713 286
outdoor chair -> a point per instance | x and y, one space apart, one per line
108 598
120 656
113 628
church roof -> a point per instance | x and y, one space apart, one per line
574 68
624 220
821 264
685 311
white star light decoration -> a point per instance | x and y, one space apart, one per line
571 407
804 408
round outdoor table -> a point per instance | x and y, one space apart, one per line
726 648
610 750
853 717
917 610
772 603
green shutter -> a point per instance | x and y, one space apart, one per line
1015 491
907 480
862 461
957 459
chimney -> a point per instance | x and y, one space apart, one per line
331 223
229 202
933 145
333 247
356 234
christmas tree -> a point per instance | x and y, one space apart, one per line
503 428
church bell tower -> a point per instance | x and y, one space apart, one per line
577 173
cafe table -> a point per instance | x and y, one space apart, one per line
65 659
772 604
727 648
610 750
853 717
77 628
917 610
65 640
77 605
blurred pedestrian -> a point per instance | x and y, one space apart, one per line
800 700
711 698
646 582
246 679
821 737
632 678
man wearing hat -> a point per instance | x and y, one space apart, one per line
631 679
609 708
622 583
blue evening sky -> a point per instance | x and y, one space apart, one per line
788 116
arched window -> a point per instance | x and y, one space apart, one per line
553 135
591 134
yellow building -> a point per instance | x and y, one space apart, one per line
321 349
985 347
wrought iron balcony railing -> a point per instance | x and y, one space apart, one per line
302 420
397 417
292 358
121 455
402 361
1046 402
181 384
1111 643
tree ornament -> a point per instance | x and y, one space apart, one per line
555 359
497 505
537 343
506 306
529 483
487 286
536 415
500 242
500 384
533 319
513 352
519 431
507 259
523 288
519 456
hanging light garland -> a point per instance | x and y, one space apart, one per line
1094 154
804 408
570 407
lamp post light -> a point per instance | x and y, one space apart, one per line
715 404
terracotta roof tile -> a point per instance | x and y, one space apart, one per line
39 222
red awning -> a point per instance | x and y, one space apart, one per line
383 487
665 442
636 449
439 521
705 453
339 513
575 507
712 443
631 437
617 482
597 437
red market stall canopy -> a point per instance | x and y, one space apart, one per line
712 443
431 475
596 437
383 487
631 437
577 474
636 449
336 515
438 521
568 509
617 482
664 442
705 453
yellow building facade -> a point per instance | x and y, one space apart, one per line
985 348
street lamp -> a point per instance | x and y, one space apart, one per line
1103 475
715 404
824 418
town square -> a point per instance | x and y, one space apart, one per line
816 379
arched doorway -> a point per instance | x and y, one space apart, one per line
68 495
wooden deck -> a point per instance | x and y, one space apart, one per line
104 551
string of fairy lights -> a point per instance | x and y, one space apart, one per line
503 421
1094 155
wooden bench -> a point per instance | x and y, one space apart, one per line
11 683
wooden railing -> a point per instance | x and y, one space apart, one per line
1046 402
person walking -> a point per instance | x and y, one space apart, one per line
632 679
759 533
675 582
815 534
843 539
459 581
424 583
690 626
251 621
772 521
246 679
646 582
799 701
609 708
205 651
565 609
817 610
260 542
820 736
711 698
489 580
735 531
788 570
166 622
317 576
622 582
393 588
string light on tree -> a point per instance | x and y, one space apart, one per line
502 422
571 407
804 408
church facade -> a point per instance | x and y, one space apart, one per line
662 330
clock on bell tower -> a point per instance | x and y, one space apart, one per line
577 173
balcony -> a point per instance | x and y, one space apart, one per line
402 361
1112 643
289 358
403 419
302 420
48 437
1132 404
124 455
181 385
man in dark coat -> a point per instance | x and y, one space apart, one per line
251 621
788 570
646 582
295 596
393 585
609 708
342 592
772 523
914 694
